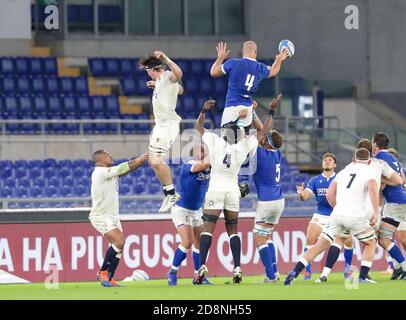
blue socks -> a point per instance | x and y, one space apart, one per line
266 259
180 255
348 255
271 247
395 253
308 266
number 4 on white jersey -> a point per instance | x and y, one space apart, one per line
249 82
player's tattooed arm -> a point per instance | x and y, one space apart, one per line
134 164
267 125
176 71
222 54
331 194
276 66
199 126
304 194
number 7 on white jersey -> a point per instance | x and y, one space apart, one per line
249 82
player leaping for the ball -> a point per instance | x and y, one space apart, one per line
105 209
166 89
244 76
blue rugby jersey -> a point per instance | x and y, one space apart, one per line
319 185
392 194
268 174
193 187
244 76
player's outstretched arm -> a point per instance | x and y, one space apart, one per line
134 164
256 122
276 66
268 122
176 71
199 126
200 165
222 54
331 194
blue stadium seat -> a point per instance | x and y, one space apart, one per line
207 66
184 65
8 85
49 172
98 105
26 106
112 106
87 127
21 66
71 128
66 191
80 191
38 85
124 189
5 172
24 182
97 67
112 67
36 66
6 192
78 172
23 85
142 87
206 86
55 107
64 171
7 65
37 192
52 85
51 191
20 172
81 85
191 86
22 192
40 106
129 86
197 67
220 86
66 85
69 104
35 173
190 104
127 67
11 105
84 105
50 66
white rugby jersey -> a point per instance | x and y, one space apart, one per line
104 192
164 99
382 167
352 198
226 160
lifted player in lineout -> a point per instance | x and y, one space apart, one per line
105 209
166 89
244 76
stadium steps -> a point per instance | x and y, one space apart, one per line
96 90
127 107
65 71
384 112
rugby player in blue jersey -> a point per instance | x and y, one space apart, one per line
267 182
187 213
244 76
394 211
317 187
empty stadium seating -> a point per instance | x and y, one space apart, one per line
50 178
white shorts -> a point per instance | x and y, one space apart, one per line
344 226
162 137
320 219
232 113
219 200
104 225
181 216
395 211
269 211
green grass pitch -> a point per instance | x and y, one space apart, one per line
159 290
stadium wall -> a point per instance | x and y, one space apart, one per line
76 250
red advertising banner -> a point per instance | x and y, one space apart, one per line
77 250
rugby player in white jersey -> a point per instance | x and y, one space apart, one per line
351 195
386 175
227 153
164 98
105 209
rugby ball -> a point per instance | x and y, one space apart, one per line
139 275
288 45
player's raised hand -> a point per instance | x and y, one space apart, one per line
283 55
275 102
208 104
144 157
151 84
161 56
300 188
222 52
